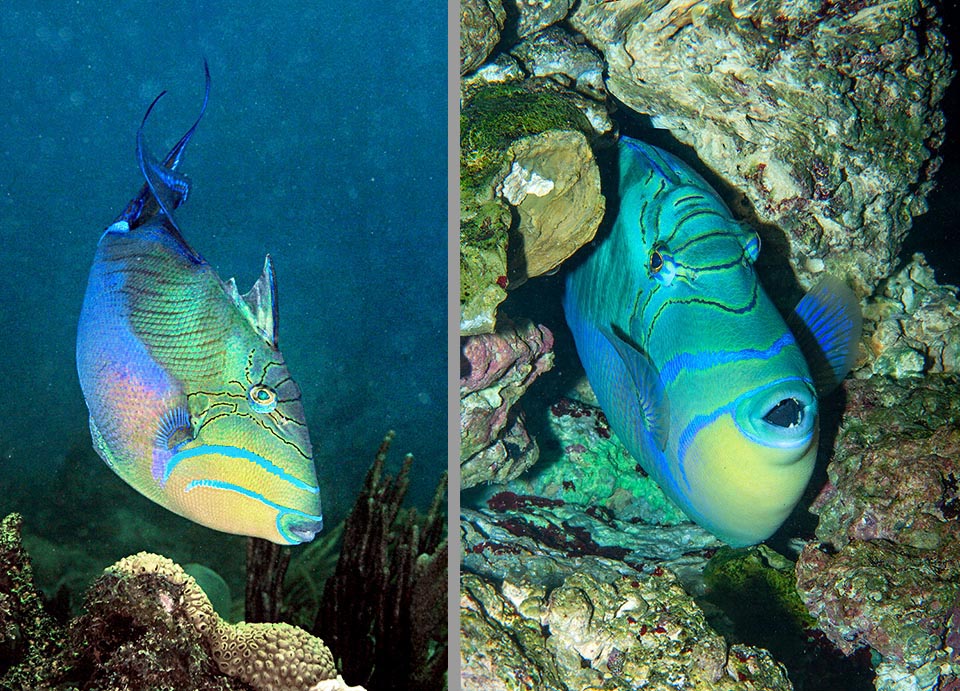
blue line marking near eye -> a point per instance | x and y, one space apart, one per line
702 361
243 454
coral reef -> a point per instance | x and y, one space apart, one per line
917 324
825 116
148 625
495 370
29 637
597 625
214 586
394 562
885 573
820 125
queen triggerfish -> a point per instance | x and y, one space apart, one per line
189 397
696 370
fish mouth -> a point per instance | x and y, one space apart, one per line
298 529
782 414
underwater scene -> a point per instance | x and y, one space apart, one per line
709 345
225 234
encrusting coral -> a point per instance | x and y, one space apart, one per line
148 625
271 657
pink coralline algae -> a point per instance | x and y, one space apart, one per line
495 370
886 572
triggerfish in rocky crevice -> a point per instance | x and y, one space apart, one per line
697 372
189 397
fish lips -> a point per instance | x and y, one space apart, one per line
782 414
298 528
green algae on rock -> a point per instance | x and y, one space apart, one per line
493 118
586 465
825 115
761 577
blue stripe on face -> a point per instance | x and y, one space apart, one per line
701 422
686 362
235 452
281 510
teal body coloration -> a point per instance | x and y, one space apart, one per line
697 372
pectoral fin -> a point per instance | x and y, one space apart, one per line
651 397
827 324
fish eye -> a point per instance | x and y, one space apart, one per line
656 261
262 398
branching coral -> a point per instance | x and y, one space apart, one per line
29 637
384 611
266 566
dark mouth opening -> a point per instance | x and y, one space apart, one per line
306 531
787 413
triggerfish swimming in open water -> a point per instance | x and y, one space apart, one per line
697 372
190 400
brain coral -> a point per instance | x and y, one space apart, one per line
268 657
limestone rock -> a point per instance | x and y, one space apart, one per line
534 15
555 54
603 628
825 117
917 324
480 24
496 370
554 184
886 574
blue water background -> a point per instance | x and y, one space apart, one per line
324 144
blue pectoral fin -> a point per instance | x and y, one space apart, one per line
649 389
827 324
